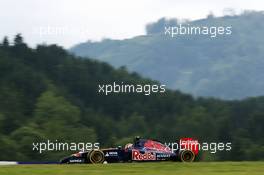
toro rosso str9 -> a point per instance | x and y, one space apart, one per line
141 150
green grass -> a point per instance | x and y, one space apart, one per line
164 168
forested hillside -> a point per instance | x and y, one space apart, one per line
225 66
46 93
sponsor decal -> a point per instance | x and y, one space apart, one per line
163 155
76 160
111 153
136 155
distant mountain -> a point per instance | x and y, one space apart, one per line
226 66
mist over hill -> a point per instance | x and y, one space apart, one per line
228 67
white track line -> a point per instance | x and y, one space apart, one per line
8 163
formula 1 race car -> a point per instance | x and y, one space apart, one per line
141 150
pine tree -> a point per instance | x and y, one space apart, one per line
18 40
5 42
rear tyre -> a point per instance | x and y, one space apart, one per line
96 157
187 156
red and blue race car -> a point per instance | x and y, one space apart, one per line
141 150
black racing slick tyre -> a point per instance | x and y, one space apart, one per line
187 156
96 157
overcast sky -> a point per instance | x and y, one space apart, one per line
68 22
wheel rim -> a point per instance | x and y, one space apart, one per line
187 156
97 157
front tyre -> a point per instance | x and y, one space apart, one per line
96 157
187 156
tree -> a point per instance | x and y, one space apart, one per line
2 118
54 114
5 42
24 137
18 40
210 15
